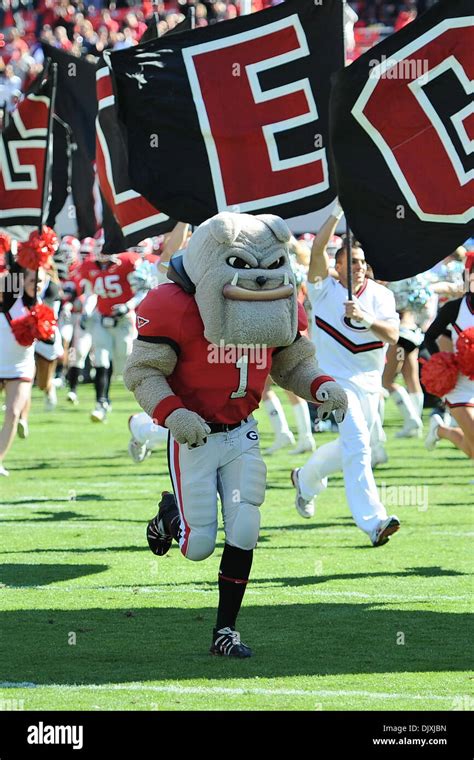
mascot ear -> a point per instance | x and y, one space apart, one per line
277 226
225 227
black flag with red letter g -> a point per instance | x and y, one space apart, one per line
402 127
234 116
22 158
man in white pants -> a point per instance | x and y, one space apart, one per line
351 340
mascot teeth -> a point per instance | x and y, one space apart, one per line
235 279
286 280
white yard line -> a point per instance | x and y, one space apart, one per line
204 690
289 591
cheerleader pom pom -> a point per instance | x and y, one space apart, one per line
38 250
465 352
24 330
5 243
45 321
440 373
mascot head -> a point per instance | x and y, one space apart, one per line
244 285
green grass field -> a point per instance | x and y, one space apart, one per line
89 619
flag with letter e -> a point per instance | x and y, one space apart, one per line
137 218
234 115
402 128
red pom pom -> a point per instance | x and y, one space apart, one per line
38 249
5 243
440 374
24 329
465 352
45 321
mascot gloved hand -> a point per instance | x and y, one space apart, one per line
187 427
333 400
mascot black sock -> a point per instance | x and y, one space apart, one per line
233 576
101 379
73 378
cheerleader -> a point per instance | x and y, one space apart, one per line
47 352
412 299
458 315
17 362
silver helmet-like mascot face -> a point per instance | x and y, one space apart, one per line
245 289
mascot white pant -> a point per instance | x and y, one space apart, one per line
231 465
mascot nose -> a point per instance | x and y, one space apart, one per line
261 280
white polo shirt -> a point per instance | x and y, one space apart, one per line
346 350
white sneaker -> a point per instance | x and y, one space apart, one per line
411 429
23 429
282 441
323 426
99 414
51 400
384 530
432 438
72 397
304 445
304 506
379 455
3 472
138 451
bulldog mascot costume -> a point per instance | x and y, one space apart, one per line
206 343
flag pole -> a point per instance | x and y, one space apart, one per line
52 71
156 16
192 13
48 153
348 229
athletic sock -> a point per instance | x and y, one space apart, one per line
417 401
234 573
100 382
73 378
302 419
404 404
276 415
109 380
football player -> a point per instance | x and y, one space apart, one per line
114 289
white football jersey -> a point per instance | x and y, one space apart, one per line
344 349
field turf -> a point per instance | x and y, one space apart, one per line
89 619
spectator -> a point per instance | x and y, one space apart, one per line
10 85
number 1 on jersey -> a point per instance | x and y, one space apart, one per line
243 366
